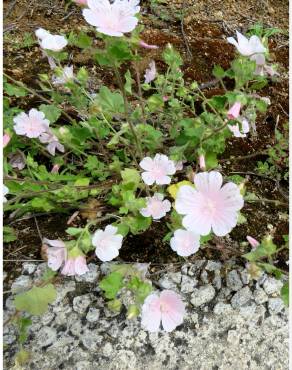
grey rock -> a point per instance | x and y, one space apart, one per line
46 336
202 295
195 267
260 296
21 284
81 303
272 285
167 283
91 276
217 281
275 305
28 268
233 280
93 314
241 298
204 277
245 277
107 350
188 284
233 336
9 339
213 266
83 365
175 276
47 318
222 308
92 340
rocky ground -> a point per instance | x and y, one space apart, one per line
232 322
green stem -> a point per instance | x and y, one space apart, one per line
32 91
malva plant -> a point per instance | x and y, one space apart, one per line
127 146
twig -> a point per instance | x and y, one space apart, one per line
183 30
272 201
38 229
239 158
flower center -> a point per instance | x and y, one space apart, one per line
210 206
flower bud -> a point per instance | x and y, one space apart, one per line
133 311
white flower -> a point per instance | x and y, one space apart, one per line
236 131
150 73
52 141
156 207
112 19
107 243
49 41
185 242
209 206
157 169
247 47
67 75
31 125
5 192
41 33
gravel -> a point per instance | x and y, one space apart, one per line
224 328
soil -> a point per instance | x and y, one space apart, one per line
206 24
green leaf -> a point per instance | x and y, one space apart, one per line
21 358
23 324
111 284
259 85
218 72
109 101
35 301
131 177
13 90
42 204
74 231
115 305
51 112
140 288
119 51
82 40
155 102
285 294
211 160
8 234
138 224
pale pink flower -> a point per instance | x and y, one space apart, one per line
179 165
55 168
6 139
143 44
41 34
244 128
112 19
107 243
75 266
167 308
53 142
56 252
156 207
234 111
202 162
54 43
17 161
157 170
32 124
5 192
247 47
150 73
80 2
252 241
209 206
165 98
185 242
67 76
